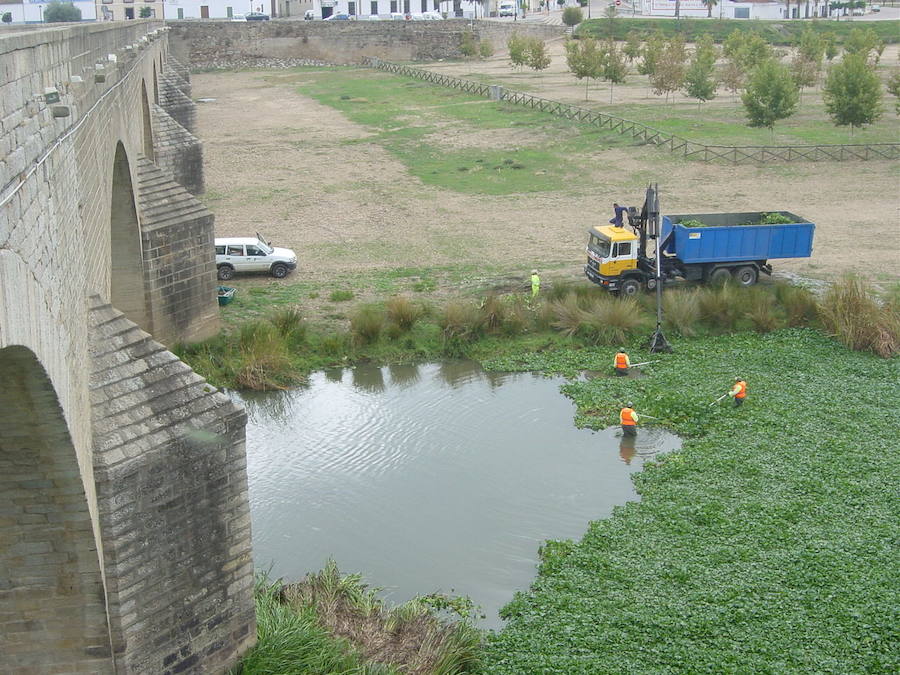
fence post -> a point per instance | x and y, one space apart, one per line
497 92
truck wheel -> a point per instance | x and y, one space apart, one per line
225 272
651 284
630 287
279 271
746 276
719 277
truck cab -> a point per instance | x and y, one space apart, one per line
612 252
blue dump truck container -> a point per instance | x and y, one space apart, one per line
734 237
706 247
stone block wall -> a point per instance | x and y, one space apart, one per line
177 151
170 464
216 44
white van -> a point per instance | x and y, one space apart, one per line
252 254
507 8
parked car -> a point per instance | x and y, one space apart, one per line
309 15
507 8
338 17
252 254
238 17
257 16
876 8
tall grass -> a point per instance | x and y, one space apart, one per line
761 310
408 638
799 304
461 323
402 312
850 312
290 325
681 311
611 320
721 307
264 361
366 324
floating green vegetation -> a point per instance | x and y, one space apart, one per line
767 544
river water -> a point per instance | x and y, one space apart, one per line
437 477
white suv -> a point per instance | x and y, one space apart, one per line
252 254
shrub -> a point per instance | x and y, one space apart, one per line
568 316
335 344
57 12
572 16
681 311
493 312
366 324
799 304
340 296
517 317
852 315
467 44
485 49
402 312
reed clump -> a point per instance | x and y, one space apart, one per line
403 312
851 313
264 361
761 310
681 311
799 304
366 324
460 324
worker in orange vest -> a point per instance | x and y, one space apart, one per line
622 363
628 418
738 391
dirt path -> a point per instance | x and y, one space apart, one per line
303 175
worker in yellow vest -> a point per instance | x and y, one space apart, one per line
628 418
738 391
622 363
535 283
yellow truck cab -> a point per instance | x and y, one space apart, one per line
611 251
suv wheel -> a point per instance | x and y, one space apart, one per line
279 271
225 272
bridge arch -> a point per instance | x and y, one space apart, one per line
51 587
127 287
156 83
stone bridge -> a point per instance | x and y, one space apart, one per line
124 518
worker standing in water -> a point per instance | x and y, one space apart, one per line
622 363
738 391
535 283
628 418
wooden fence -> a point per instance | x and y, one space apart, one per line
745 154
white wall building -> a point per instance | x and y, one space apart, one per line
737 9
27 11
385 8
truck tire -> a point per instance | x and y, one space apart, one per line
746 275
630 287
719 276
225 272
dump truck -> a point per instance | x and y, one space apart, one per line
705 247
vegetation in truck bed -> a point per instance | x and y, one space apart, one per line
773 218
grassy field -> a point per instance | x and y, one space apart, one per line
775 32
766 545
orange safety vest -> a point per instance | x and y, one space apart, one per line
621 360
742 389
625 418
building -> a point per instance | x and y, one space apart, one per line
738 9
120 10
28 11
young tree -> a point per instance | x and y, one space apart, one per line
893 87
145 12
7 17
852 92
699 82
771 95
537 57
572 16
585 61
615 68
669 74
754 51
709 7
58 12
467 46
831 48
485 49
652 53
864 42
804 72
732 77
733 43
632 48
517 46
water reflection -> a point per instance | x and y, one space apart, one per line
429 478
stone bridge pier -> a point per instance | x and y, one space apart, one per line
124 518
